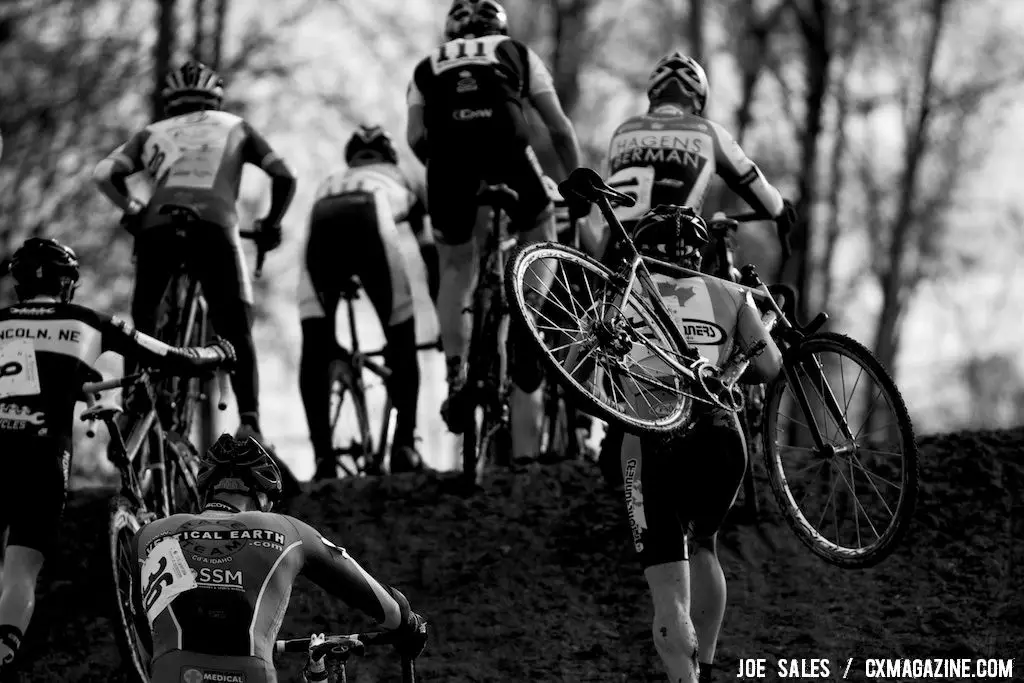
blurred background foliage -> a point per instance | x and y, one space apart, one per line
891 124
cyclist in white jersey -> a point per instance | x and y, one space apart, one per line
666 158
353 231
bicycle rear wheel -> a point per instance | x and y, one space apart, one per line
181 324
132 631
604 350
182 462
868 450
357 455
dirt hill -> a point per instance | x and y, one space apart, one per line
537 581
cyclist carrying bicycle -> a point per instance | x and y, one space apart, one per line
214 586
194 157
466 122
47 350
670 154
707 457
353 231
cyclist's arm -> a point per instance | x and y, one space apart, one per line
765 366
333 569
110 173
121 337
257 151
743 176
542 95
416 127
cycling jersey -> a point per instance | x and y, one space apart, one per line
47 350
669 156
215 587
473 90
714 317
195 160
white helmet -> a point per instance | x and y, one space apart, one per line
677 78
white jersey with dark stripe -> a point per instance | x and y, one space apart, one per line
215 587
47 351
386 182
669 156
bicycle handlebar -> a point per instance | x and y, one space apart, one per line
340 647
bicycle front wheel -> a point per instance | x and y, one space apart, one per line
839 443
605 350
132 632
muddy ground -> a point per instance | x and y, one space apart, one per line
536 580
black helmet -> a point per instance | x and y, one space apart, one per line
44 267
370 142
191 87
474 19
671 233
239 465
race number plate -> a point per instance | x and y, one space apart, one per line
19 374
637 182
165 576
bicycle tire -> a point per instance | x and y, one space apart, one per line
182 469
587 401
360 449
187 401
887 542
121 529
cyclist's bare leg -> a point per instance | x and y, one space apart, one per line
674 634
708 595
526 404
458 265
18 600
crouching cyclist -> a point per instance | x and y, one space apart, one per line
707 458
47 350
353 231
232 568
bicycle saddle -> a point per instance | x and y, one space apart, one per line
500 196
179 212
586 183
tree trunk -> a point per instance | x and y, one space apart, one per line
750 53
218 33
815 26
696 31
199 47
570 49
162 50
894 279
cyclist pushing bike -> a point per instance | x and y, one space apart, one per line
47 350
214 586
194 156
466 123
666 158
353 231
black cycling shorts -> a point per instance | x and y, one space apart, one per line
679 488
212 253
353 235
453 184
33 489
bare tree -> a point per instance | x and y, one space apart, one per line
163 48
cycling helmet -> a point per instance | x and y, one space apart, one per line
44 267
678 79
671 233
191 87
551 187
474 19
369 144
239 465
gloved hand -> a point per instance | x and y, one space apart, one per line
131 220
225 349
412 633
270 234
784 223
316 668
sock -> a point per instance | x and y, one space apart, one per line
705 672
10 641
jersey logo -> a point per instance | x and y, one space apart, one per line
701 332
216 541
191 674
17 310
635 505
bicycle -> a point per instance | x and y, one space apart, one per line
157 470
360 456
624 324
486 435
337 649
